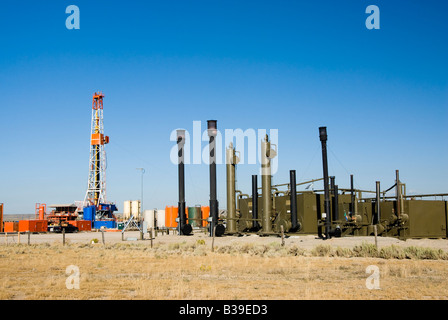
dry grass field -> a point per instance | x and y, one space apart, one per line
237 270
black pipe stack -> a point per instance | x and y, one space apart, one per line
335 191
255 224
212 132
352 194
183 227
377 217
293 201
323 139
336 203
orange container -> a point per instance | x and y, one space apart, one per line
33 225
170 216
11 226
205 214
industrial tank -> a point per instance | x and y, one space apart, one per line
149 218
171 214
205 211
127 210
160 218
195 216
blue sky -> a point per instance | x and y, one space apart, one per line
286 65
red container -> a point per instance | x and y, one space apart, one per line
82 225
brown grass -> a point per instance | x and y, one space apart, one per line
241 271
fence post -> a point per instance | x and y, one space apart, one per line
376 233
150 230
283 236
213 240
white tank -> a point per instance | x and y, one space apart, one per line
135 208
149 218
127 210
160 218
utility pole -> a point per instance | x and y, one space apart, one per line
141 204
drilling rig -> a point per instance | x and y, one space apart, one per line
96 207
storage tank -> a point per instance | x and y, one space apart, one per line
167 216
195 216
205 210
171 213
149 217
160 218
127 210
135 208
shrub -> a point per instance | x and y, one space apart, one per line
322 250
366 250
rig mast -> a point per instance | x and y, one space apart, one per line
96 188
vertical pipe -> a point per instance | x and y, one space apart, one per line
398 193
323 138
352 195
332 195
293 200
212 132
336 203
255 224
231 202
378 210
181 225
266 185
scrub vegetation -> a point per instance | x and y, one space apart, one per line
190 270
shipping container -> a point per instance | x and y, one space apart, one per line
11 226
33 225
82 225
